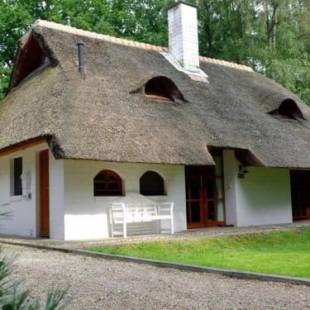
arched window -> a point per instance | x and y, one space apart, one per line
108 183
152 184
162 88
288 109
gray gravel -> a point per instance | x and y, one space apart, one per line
103 284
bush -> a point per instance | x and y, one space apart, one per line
14 297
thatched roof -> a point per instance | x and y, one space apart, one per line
102 117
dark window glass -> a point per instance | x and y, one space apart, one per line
108 183
195 212
152 184
17 176
163 88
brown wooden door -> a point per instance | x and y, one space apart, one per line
300 184
196 196
205 195
44 194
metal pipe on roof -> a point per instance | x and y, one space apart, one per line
81 57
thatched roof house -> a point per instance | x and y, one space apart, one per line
99 102
102 117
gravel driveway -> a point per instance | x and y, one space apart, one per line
103 284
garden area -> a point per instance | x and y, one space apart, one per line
277 252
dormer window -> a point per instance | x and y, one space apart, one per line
288 109
162 88
31 59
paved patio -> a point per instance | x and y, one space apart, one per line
189 234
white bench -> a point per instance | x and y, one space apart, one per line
122 214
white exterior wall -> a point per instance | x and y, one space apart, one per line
57 197
22 219
263 197
86 216
183 35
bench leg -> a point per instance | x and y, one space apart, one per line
111 224
125 229
172 225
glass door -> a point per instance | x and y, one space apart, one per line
205 194
196 196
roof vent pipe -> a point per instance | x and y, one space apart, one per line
183 34
81 57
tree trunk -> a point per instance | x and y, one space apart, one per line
272 22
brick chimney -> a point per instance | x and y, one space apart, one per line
183 35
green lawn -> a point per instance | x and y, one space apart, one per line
280 252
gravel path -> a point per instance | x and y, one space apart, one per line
103 284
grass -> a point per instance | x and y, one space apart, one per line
279 252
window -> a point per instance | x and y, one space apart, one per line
152 184
31 59
108 183
162 88
16 176
288 109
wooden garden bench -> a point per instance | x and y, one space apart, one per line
122 214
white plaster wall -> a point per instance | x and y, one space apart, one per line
57 197
230 186
22 219
86 216
263 197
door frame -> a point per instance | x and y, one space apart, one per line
189 172
300 203
44 194
204 205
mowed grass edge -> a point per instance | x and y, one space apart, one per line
278 252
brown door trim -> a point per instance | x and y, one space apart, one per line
209 183
196 174
44 193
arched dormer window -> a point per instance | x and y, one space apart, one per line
108 183
152 184
162 88
288 109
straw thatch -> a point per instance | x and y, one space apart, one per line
101 117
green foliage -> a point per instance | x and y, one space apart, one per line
272 36
280 252
14 297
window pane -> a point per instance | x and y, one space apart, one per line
194 188
219 188
18 171
219 166
152 184
108 183
220 211
211 189
212 211
193 212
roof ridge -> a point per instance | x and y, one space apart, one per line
126 42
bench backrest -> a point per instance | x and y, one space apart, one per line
135 213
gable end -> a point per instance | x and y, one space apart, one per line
33 56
